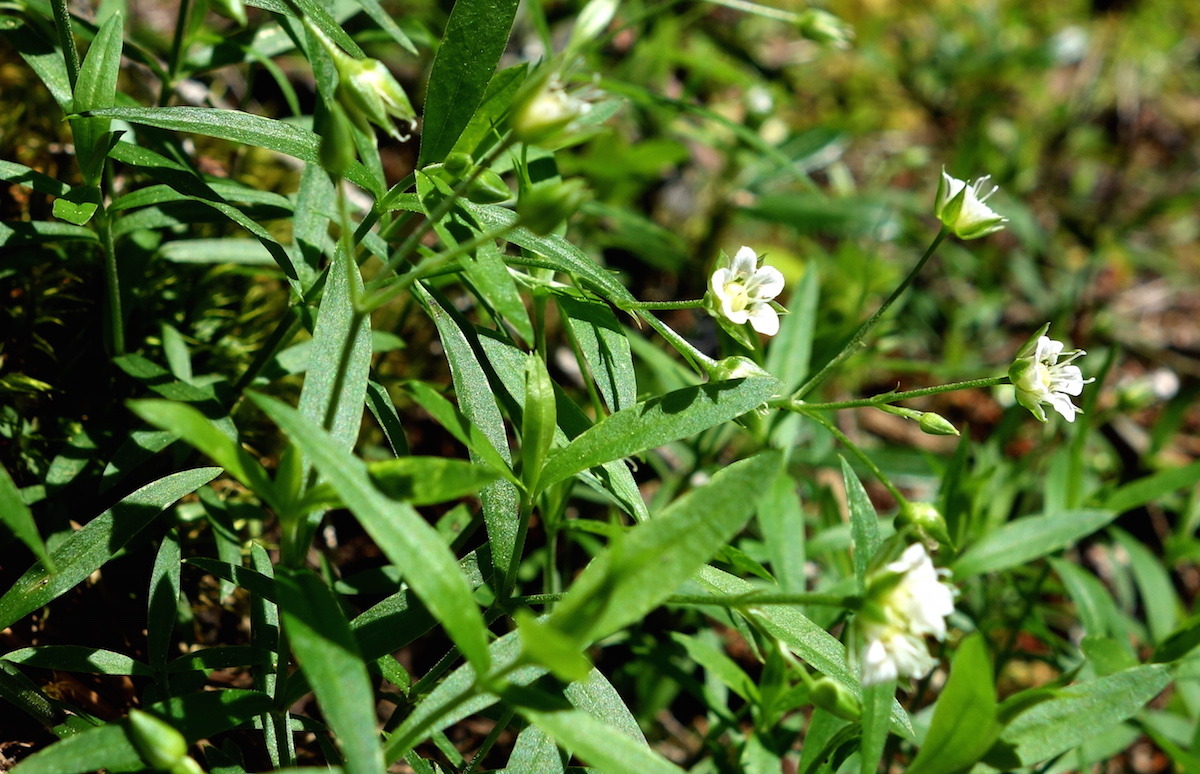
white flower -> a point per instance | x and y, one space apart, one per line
960 206
743 291
545 113
905 601
1041 378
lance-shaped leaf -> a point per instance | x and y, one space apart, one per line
657 421
645 565
402 534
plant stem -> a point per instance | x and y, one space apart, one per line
181 21
284 332
857 339
680 343
112 279
752 599
397 285
799 406
443 208
66 38
861 455
697 303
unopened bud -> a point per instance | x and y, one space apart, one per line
543 112
544 205
936 424
736 367
230 9
836 699
488 188
157 741
925 519
824 28
368 91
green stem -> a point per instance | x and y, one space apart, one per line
398 746
284 332
759 10
411 242
66 38
660 305
752 599
684 346
862 457
112 278
397 285
181 23
857 340
799 406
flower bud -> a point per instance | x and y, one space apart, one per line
836 699
336 152
824 28
543 113
960 207
544 205
160 745
592 21
367 90
488 188
736 367
925 519
458 163
230 9
936 424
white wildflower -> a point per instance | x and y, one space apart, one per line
743 292
960 206
905 601
1044 374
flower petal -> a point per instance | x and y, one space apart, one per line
764 319
745 262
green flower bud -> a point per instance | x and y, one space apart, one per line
836 699
736 367
936 424
368 91
960 206
543 113
230 9
925 519
458 163
336 151
160 745
488 188
543 206
592 21
824 28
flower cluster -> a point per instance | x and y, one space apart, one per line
742 291
905 601
1044 374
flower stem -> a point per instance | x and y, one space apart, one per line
697 303
181 22
800 407
861 455
112 277
680 343
857 339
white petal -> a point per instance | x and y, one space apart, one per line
719 279
877 666
764 319
1062 404
766 283
735 316
745 263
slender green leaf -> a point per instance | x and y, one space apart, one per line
1155 588
781 519
15 233
427 480
384 411
875 702
476 35
1026 539
657 421
467 432
385 22
1144 490
864 529
96 89
21 692
599 744
83 552
647 564
78 658
964 722
534 753
245 128
202 433
17 517
335 386
404 537
605 348
321 639
553 252
12 172
501 500
596 696
163 599
42 56
1083 711
790 353
196 716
